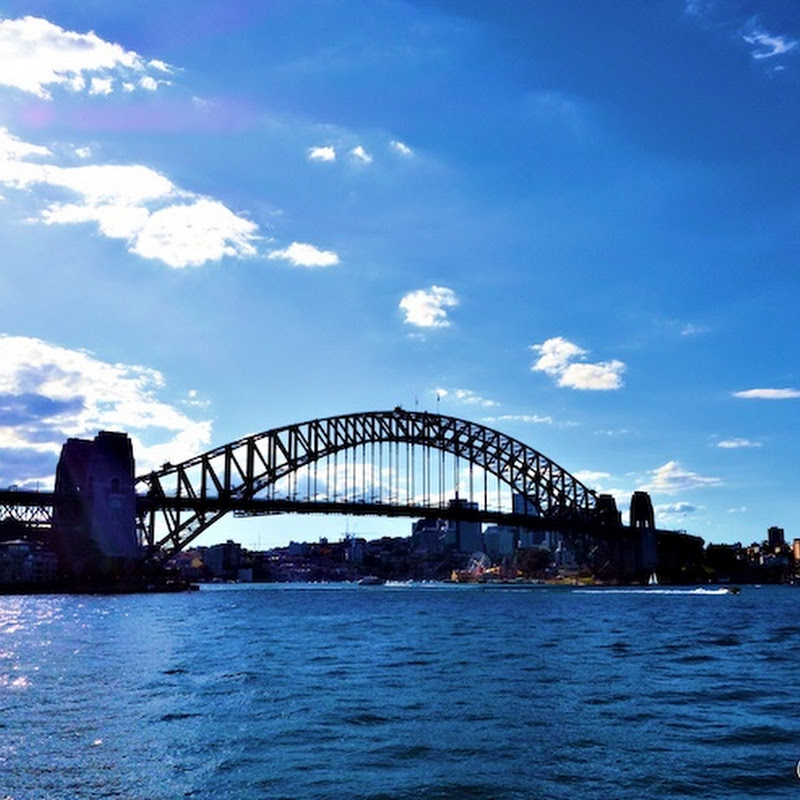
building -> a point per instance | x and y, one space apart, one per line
775 538
428 535
22 561
224 560
500 540
464 535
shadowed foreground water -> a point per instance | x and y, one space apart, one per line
400 692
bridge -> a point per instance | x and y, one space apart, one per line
390 463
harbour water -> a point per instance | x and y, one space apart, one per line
410 691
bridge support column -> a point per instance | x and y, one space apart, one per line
94 520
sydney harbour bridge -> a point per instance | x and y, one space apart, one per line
394 463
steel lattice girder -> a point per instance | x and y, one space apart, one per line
34 509
204 488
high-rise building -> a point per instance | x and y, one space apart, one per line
466 536
775 537
500 540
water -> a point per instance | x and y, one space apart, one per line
400 692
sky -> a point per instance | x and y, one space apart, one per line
574 222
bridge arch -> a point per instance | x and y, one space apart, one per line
178 502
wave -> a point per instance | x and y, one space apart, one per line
648 590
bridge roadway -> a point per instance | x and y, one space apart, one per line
35 508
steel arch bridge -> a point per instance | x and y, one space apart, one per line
391 463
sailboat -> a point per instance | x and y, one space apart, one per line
653 580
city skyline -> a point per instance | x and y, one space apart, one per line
575 225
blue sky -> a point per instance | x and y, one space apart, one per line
576 222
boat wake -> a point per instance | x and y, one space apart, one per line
648 590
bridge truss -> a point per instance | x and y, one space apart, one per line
393 463
31 510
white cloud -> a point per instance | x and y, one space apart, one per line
768 394
739 510
360 154
555 354
590 477
693 330
401 148
734 444
49 393
557 359
426 308
101 86
466 397
672 477
130 202
527 419
38 56
766 45
305 255
150 84
13 149
190 235
162 66
321 154
674 510
603 376
698 7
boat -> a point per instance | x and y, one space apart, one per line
653 580
371 580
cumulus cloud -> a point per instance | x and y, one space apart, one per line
305 255
427 308
466 397
672 477
766 45
735 444
38 56
557 358
321 154
361 155
49 393
191 234
156 219
768 394
401 148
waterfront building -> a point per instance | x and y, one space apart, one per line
23 562
224 560
499 540
428 535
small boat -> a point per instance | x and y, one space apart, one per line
653 581
371 580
